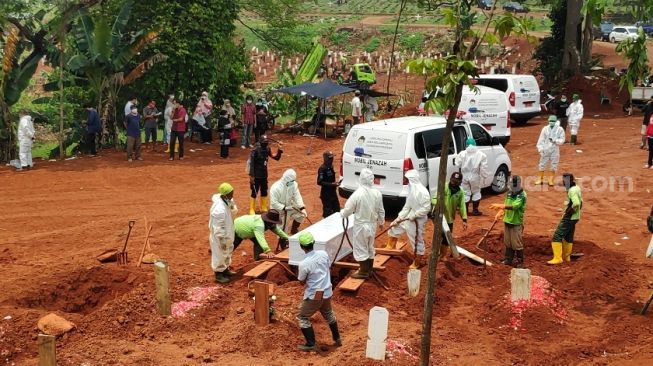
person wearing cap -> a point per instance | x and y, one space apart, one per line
314 273
366 204
454 199
224 131
253 227
150 114
133 126
512 211
563 238
356 107
286 198
548 145
326 179
221 232
560 108
574 115
473 167
412 218
258 172
25 134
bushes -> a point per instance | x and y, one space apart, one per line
373 44
412 42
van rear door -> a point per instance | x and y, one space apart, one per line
429 143
527 94
489 108
382 151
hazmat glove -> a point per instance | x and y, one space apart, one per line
497 206
499 215
304 213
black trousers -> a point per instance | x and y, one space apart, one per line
650 151
90 140
179 136
330 204
256 249
260 184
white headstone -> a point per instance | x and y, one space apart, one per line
520 284
514 69
377 333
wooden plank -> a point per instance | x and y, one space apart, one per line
390 252
47 350
350 265
351 284
474 257
283 255
261 269
162 282
380 260
261 303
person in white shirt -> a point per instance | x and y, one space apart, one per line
314 273
25 140
128 106
356 111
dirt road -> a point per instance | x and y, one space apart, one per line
58 217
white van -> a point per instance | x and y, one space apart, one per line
393 146
489 107
522 91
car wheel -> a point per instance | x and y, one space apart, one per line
364 85
500 181
613 40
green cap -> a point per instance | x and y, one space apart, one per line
225 188
575 97
306 239
553 118
470 141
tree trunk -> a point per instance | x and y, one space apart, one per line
7 134
571 53
394 41
429 299
588 39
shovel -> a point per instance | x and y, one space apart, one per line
122 256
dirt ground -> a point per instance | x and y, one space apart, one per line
59 216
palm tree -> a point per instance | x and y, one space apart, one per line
102 54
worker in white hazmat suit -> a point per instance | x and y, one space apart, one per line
548 145
222 232
473 166
286 198
412 218
574 115
366 204
25 140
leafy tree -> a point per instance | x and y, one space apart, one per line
547 53
280 21
450 75
592 12
634 50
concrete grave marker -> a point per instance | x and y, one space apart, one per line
377 333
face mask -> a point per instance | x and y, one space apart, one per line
552 124
563 100
249 102
290 184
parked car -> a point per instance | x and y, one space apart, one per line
485 4
391 147
620 33
648 28
522 91
515 7
602 32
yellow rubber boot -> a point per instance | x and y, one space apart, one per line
252 206
392 243
557 253
264 204
551 176
540 177
566 251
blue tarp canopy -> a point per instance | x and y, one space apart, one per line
324 89
295 89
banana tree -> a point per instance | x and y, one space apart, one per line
102 54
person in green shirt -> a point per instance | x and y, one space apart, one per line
454 198
253 227
513 218
563 238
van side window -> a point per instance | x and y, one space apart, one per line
433 139
460 136
480 135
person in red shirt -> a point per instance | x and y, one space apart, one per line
248 113
178 129
649 136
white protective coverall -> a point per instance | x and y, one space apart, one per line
574 115
548 146
371 107
167 117
473 166
221 232
285 198
25 141
366 204
414 214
